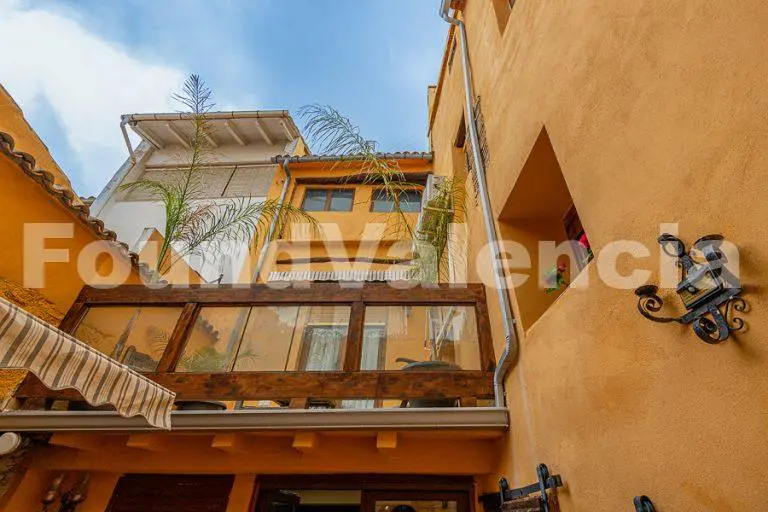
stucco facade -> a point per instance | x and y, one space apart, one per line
654 113
617 120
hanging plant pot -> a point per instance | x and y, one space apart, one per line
429 366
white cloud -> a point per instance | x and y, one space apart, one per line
88 81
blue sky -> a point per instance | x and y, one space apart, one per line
83 63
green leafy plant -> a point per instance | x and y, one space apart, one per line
331 133
555 278
208 360
193 224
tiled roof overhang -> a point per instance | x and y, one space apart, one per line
400 155
67 197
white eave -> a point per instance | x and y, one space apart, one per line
242 128
459 418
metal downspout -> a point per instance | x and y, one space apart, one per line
123 122
511 345
273 224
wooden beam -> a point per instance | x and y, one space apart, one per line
244 294
149 135
148 442
367 482
263 131
306 442
211 140
287 385
233 131
73 317
354 345
176 342
386 441
83 442
485 337
229 443
287 132
298 403
177 135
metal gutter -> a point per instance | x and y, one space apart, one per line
459 418
134 119
512 344
232 114
416 155
123 123
109 189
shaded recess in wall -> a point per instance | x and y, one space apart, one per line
539 208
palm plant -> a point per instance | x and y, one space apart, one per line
193 224
330 132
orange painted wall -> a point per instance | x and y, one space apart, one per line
12 121
655 114
339 234
25 202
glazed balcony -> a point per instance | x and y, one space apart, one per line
252 348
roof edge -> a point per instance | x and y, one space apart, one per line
400 155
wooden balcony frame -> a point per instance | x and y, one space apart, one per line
297 386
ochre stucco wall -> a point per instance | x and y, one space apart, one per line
338 234
25 202
12 121
656 113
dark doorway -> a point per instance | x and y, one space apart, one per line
171 493
364 493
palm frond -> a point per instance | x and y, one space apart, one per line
195 95
193 223
209 226
330 132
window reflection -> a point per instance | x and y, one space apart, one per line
134 336
420 337
267 338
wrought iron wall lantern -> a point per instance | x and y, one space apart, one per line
708 290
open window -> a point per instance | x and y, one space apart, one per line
540 214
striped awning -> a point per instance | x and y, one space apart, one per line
60 361
344 275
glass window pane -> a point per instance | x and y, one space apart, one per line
214 340
341 200
420 338
410 201
267 339
321 335
314 200
134 336
382 203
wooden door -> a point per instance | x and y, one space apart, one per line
171 493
